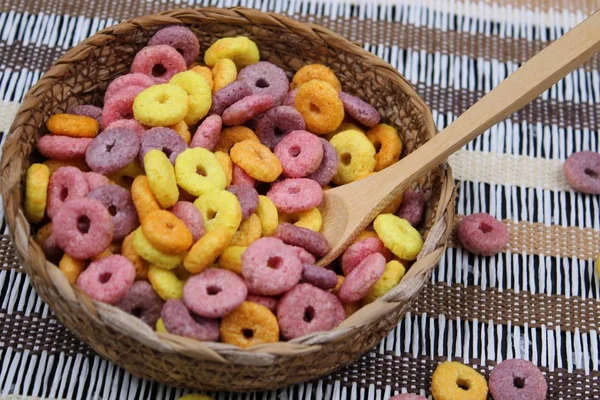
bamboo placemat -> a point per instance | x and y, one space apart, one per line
539 300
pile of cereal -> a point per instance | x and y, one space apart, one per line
214 235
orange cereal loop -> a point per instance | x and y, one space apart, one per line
320 106
166 232
73 125
394 205
387 144
143 198
224 72
71 267
232 135
256 160
351 308
204 72
315 71
182 130
452 380
226 164
248 325
78 163
127 251
206 250
43 233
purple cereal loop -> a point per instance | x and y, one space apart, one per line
290 98
160 62
320 277
412 207
62 147
482 234
267 301
358 282
214 293
247 108
112 150
517 380
273 125
163 139
66 183
181 39
123 81
307 309
360 110
120 104
329 165
107 280
247 197
300 154
314 242
582 171
270 267
83 228
119 204
143 302
230 94
191 217
208 133
179 320
295 194
128 124
87 110
266 78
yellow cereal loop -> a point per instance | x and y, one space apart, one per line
267 213
249 231
204 72
143 198
199 95
160 326
142 246
232 135
248 325
198 170
220 209
241 50
393 273
71 267
357 156
206 250
161 105
385 137
231 259
224 72
320 106
196 396
125 176
165 283
43 234
128 251
256 160
161 178
399 236
315 71
182 130
309 219
166 232
73 125
78 163
36 189
226 165
452 380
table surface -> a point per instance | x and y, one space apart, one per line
539 300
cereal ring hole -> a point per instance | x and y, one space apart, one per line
110 146
262 83
248 333
464 385
167 151
104 277
314 108
112 210
201 171
293 190
591 173
211 214
137 312
274 262
346 158
279 131
377 146
83 224
158 70
485 228
64 193
213 290
519 382
294 151
309 314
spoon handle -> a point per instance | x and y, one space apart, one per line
523 86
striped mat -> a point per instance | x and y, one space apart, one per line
539 300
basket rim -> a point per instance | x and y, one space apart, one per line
32 257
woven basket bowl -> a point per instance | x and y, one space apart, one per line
81 77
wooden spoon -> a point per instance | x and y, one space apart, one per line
348 209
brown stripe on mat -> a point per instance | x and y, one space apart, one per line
471 302
414 373
540 239
8 255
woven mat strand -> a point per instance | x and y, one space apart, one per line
539 300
